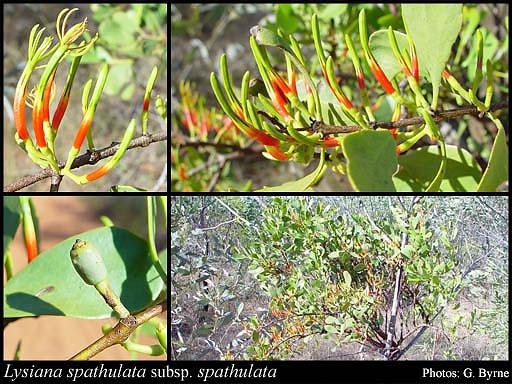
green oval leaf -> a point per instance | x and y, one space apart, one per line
130 272
331 11
417 169
497 169
286 19
371 160
118 30
433 28
381 49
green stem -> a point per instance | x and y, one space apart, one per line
151 206
147 94
113 301
8 265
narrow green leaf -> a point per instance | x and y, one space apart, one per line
303 184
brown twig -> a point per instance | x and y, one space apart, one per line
326 129
185 141
438 116
56 180
120 333
88 158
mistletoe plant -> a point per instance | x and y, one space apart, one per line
298 117
42 152
381 283
102 273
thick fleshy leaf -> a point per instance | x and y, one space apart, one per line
301 185
381 49
286 18
49 285
12 215
418 169
433 28
371 160
497 169
331 11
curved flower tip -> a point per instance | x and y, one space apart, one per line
331 142
262 137
277 154
72 34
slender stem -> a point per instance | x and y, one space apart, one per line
439 116
87 158
120 333
8 265
151 206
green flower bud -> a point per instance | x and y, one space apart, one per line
90 266
88 262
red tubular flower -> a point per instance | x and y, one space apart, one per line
331 142
292 80
145 106
100 172
190 118
205 126
277 154
381 77
360 79
308 89
407 72
29 230
82 130
324 72
37 120
31 244
446 74
181 172
19 113
280 83
59 112
228 124
46 98
336 90
341 97
279 100
262 137
415 66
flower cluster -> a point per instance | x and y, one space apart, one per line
46 129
